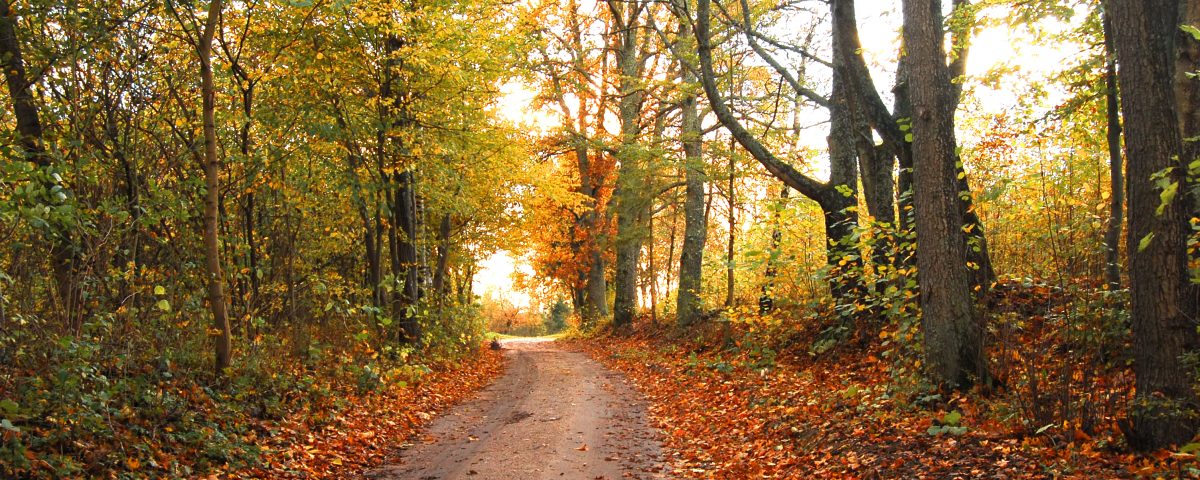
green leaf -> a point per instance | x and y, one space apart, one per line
1190 448
1145 242
7 425
159 290
163 305
1193 31
9 407
952 418
1166 196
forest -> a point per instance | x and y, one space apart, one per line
818 238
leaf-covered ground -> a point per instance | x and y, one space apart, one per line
371 428
733 413
292 423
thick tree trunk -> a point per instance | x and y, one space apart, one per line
1116 201
695 228
410 293
839 200
1164 411
596 290
953 338
630 195
212 183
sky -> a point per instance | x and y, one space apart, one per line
992 48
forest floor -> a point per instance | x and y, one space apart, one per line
728 414
554 414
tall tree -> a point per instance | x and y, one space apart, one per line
1116 201
688 303
1165 409
632 200
953 336
200 34
33 149
835 196
575 73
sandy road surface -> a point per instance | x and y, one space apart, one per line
553 415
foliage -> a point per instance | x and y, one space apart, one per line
555 317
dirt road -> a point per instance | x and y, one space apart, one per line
553 415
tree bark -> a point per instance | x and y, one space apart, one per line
1164 410
631 198
443 258
410 293
212 183
695 228
1116 201
953 338
732 222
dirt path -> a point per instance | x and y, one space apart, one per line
554 414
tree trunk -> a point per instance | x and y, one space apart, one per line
839 200
630 195
766 302
953 338
212 183
410 293
1116 201
443 258
629 247
652 274
1164 410
732 221
695 228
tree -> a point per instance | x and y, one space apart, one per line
695 227
33 150
575 79
200 34
1165 407
1112 235
838 195
630 197
953 336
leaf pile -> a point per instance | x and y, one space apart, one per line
733 414
367 432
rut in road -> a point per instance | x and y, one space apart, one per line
554 414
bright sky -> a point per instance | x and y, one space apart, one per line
495 276
992 48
